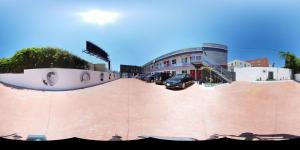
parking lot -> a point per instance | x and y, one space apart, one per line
130 108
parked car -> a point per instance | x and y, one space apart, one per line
139 76
143 77
161 77
149 78
180 81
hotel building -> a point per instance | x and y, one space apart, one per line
208 61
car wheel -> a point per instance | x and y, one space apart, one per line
183 85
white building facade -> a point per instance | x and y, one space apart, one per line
237 64
297 77
262 74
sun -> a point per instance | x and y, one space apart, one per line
99 17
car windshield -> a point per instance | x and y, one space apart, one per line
178 76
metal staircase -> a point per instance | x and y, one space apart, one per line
220 71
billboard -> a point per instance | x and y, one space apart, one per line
96 51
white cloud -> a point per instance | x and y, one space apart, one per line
99 17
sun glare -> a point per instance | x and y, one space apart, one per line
99 17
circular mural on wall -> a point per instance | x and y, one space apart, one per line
85 76
101 76
50 78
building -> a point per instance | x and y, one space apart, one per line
128 71
237 64
262 74
194 61
297 77
261 62
97 67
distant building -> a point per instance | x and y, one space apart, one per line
97 67
128 71
237 64
100 67
261 62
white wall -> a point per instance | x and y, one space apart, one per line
297 77
254 73
65 79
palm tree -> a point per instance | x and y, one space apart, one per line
284 55
290 59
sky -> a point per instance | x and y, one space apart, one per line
133 32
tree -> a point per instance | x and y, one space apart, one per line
31 58
298 65
290 59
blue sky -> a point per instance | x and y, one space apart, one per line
146 29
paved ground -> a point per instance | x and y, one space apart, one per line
130 107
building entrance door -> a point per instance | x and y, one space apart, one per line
193 75
270 75
198 74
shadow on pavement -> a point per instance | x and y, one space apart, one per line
248 136
12 86
14 136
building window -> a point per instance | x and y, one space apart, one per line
184 71
174 61
184 60
166 63
195 58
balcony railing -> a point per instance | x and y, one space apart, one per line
224 73
172 66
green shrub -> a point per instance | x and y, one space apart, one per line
31 58
298 65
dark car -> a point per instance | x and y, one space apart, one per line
161 77
149 78
140 76
180 81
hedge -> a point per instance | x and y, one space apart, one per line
46 57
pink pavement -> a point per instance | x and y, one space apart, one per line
131 108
